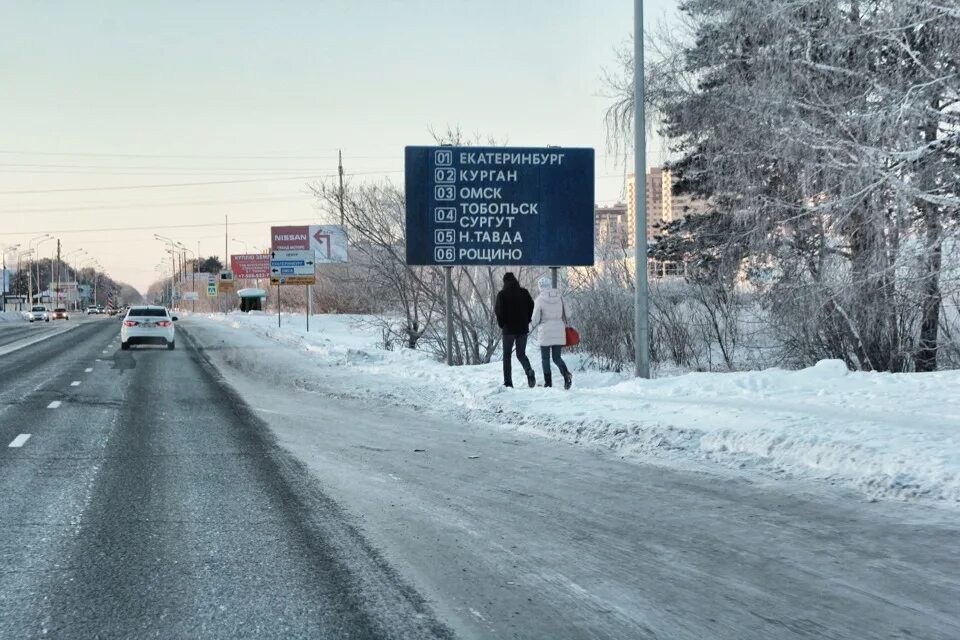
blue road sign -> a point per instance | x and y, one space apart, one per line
499 206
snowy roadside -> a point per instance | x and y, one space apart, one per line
887 435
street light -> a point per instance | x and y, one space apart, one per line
641 341
193 274
21 254
62 262
39 284
245 249
79 252
42 238
173 267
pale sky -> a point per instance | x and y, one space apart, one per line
102 94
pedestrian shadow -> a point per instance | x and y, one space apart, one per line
123 361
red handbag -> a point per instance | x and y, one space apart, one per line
573 338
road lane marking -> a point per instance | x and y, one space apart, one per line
19 441
88 370
75 383
54 405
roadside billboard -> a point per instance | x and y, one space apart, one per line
327 241
250 266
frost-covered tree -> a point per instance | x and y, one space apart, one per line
825 134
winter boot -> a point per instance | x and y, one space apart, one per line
531 379
548 380
567 380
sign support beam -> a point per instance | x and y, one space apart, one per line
448 312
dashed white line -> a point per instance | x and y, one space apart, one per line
19 441
54 405
88 370
75 383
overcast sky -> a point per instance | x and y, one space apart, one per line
98 95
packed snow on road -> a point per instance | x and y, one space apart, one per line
888 436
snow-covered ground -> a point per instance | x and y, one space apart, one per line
887 435
11 316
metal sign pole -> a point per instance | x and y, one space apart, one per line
309 307
554 276
448 312
641 303
278 305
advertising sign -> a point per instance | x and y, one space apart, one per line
250 266
191 296
292 267
499 206
327 241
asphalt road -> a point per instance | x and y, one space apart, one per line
142 499
159 494
509 535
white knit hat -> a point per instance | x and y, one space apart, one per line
545 283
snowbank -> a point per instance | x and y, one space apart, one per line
11 316
888 435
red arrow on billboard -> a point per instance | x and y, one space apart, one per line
322 238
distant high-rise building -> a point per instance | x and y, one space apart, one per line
659 192
610 225
687 205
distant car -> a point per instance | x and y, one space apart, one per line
93 311
38 313
60 313
147 325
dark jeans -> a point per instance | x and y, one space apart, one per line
509 340
545 353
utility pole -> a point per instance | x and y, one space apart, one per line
57 302
641 303
340 173
3 281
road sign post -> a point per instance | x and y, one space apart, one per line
297 250
448 311
499 206
293 267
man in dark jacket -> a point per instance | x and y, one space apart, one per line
514 309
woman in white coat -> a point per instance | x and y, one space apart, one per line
550 315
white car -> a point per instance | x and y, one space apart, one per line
147 325
38 313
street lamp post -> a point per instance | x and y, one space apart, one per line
193 277
20 256
42 238
39 284
63 262
641 303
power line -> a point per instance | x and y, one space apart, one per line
186 184
154 205
59 232
166 156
